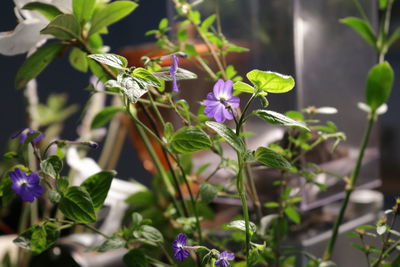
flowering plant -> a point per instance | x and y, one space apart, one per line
166 227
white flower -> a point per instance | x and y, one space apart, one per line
26 36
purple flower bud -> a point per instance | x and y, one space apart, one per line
179 246
24 134
27 186
220 103
172 71
224 259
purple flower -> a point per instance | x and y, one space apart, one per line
179 246
172 71
27 186
220 102
24 134
224 258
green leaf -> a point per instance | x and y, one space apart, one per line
62 184
271 82
52 166
147 77
38 238
272 159
379 84
98 71
163 24
110 14
97 186
189 139
227 133
208 192
135 258
36 63
279 119
241 226
54 196
130 87
113 60
150 234
362 27
244 87
393 38
137 219
47 10
293 214
63 27
83 9
208 22
181 74
78 59
77 205
185 111
111 243
105 115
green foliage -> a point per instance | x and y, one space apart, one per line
129 86
362 27
36 63
47 10
77 205
379 84
113 60
52 166
110 14
222 130
271 82
63 27
105 115
240 225
146 77
97 186
83 9
208 192
189 139
111 243
279 119
38 238
293 214
181 74
78 59
135 258
271 159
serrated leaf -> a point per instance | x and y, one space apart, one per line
271 82
77 205
47 10
110 14
279 119
362 27
83 9
36 63
293 214
63 27
190 139
227 133
379 85
272 159
105 115
97 186
113 60
52 166
241 226
208 192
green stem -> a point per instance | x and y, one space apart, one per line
349 188
242 194
383 32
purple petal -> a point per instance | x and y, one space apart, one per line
33 178
38 138
234 101
218 88
231 256
228 88
228 114
219 114
26 194
211 96
181 238
172 72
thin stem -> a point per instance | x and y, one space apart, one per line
360 10
384 30
349 188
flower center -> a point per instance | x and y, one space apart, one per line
22 182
